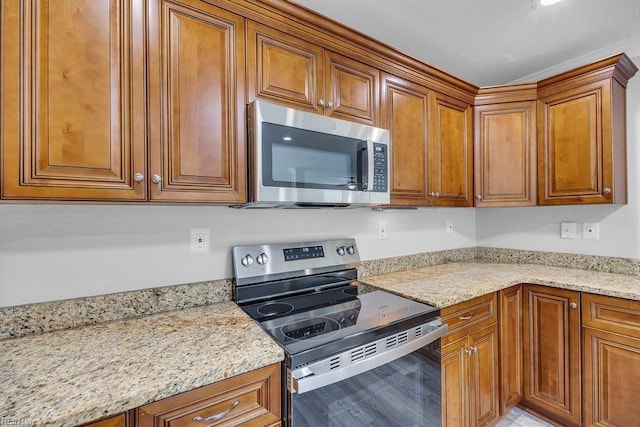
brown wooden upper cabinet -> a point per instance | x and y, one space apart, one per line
295 72
196 103
74 122
73 106
431 145
450 151
582 134
505 146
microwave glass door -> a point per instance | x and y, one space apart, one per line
300 158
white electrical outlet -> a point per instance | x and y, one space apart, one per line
591 230
568 230
382 230
449 227
200 240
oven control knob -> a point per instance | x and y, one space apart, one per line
262 259
352 317
247 260
341 320
340 250
351 250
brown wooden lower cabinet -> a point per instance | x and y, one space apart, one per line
510 324
552 374
124 419
251 399
611 342
470 364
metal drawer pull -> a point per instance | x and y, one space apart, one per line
218 416
466 317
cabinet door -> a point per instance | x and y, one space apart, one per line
455 372
73 107
611 379
125 419
483 376
450 176
352 89
505 154
404 107
552 382
575 146
510 348
283 68
197 108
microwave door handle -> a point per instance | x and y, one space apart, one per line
370 167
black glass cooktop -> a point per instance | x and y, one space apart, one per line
343 320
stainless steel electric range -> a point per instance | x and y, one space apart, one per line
351 359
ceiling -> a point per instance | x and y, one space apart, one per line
489 42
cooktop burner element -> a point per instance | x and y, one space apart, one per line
275 308
305 296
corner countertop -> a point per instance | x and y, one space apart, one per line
448 284
73 376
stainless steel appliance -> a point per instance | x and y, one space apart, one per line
301 159
351 359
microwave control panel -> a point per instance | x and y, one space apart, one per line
380 167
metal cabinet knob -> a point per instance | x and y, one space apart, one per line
573 305
330 104
479 197
138 177
156 179
607 191
321 102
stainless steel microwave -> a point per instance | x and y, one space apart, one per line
301 159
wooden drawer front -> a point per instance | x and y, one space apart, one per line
251 399
612 314
481 310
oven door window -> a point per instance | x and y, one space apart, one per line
300 158
405 392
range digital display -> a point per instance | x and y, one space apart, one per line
307 252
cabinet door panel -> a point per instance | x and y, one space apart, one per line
283 68
198 139
404 113
484 376
552 381
450 175
510 348
505 157
73 123
573 152
454 384
612 379
353 89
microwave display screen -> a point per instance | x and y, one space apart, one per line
301 158
307 252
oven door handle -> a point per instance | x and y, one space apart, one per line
332 370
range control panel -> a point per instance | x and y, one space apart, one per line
252 263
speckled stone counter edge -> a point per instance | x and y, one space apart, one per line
31 319
28 319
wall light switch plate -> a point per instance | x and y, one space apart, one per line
591 230
568 230
382 230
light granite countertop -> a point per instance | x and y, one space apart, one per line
448 284
72 376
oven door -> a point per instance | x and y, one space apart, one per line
378 389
